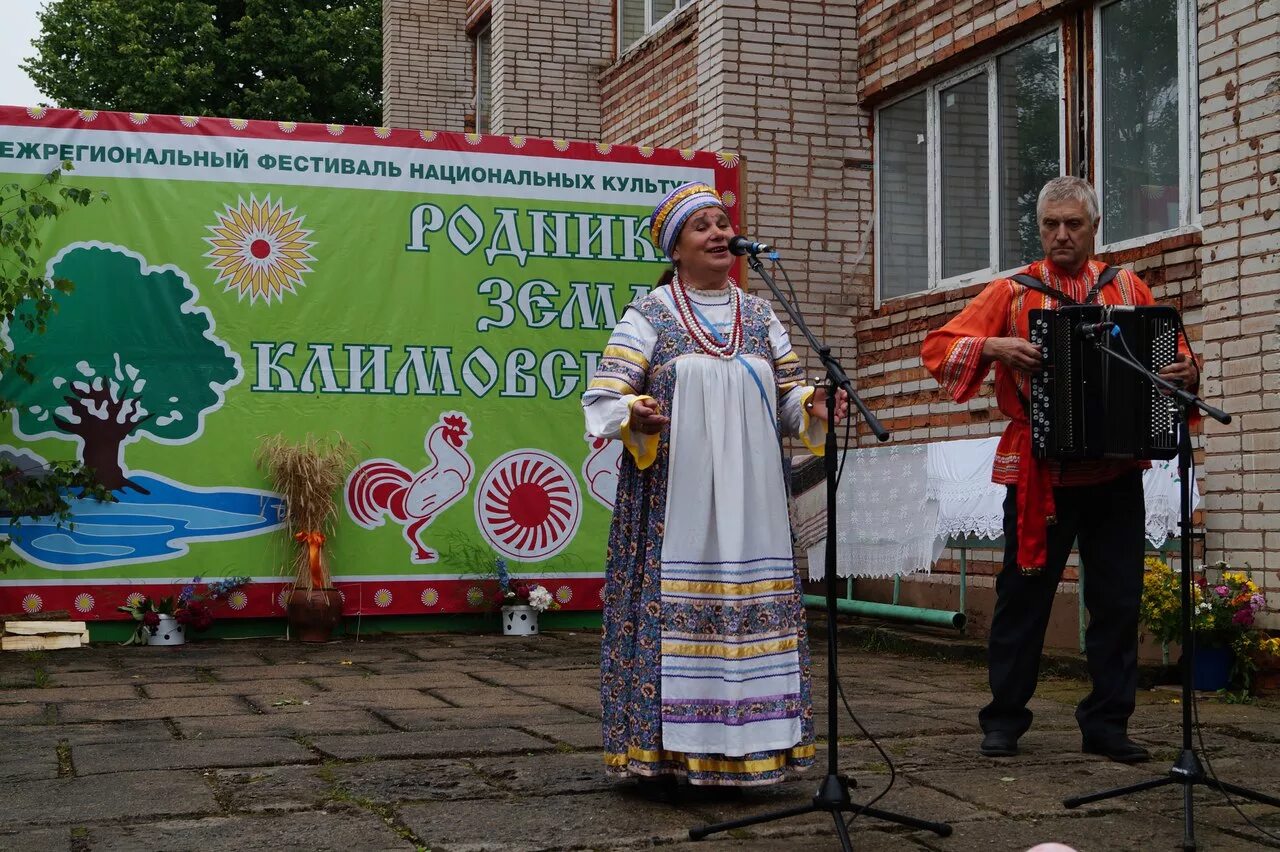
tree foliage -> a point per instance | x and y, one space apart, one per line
27 489
299 60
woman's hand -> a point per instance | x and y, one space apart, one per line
646 417
816 405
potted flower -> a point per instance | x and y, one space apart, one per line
521 601
309 474
168 622
1225 603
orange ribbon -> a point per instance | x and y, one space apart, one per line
314 541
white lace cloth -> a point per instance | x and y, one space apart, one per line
888 515
898 506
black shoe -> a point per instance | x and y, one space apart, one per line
999 744
1118 747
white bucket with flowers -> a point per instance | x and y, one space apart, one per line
521 603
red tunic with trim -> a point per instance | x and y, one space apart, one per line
953 354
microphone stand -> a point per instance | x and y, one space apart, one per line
833 794
1187 769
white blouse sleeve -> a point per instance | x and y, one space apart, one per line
620 379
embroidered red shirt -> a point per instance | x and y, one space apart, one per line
953 354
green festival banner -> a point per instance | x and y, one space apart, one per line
439 300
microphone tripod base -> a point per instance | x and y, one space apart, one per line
833 798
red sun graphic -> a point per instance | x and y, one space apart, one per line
528 505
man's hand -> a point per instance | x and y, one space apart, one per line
1014 352
1182 371
646 417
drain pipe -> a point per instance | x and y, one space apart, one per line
894 610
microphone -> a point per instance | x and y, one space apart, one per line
741 245
1093 329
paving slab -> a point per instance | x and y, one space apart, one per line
321 721
60 694
189 754
127 731
339 831
263 789
399 781
490 696
567 773
35 839
578 735
548 822
421 679
150 708
27 761
202 689
375 696
275 670
461 743
25 714
128 795
523 716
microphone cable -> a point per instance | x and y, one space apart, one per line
838 685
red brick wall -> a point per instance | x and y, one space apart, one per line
901 40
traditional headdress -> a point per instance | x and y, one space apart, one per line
674 210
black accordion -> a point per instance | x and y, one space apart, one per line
1085 404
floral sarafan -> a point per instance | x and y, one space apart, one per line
1225 606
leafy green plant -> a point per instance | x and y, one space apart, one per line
26 212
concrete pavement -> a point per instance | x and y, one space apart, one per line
483 742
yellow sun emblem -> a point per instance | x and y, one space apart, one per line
260 249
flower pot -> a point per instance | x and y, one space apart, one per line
519 621
314 614
1212 669
167 632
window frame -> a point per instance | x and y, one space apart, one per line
1188 142
483 35
650 25
933 129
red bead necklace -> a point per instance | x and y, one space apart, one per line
705 340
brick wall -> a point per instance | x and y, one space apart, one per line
785 81
547 59
905 39
1239 56
426 64
650 95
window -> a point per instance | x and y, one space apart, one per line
1145 149
959 168
638 18
482 67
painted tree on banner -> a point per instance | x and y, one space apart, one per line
130 356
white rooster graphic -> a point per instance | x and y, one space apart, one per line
600 469
381 488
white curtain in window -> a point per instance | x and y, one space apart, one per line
966 190
904 198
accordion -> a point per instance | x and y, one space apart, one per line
1087 405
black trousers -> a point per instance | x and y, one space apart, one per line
1109 520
